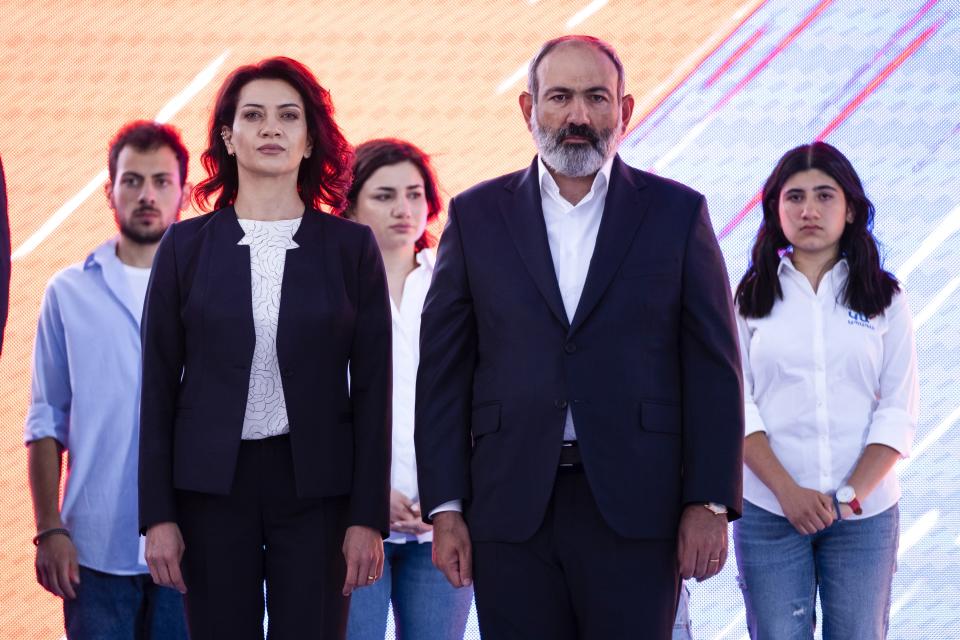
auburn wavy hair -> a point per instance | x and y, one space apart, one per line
324 177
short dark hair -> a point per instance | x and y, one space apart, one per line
383 152
869 289
533 84
146 135
324 176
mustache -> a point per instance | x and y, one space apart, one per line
146 209
580 131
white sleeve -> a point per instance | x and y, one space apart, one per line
752 420
894 422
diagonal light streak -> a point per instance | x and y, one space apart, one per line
947 227
928 312
170 109
585 13
914 534
935 434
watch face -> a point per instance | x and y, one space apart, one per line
845 494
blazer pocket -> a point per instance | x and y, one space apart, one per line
659 417
485 419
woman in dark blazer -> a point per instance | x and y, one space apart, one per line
265 417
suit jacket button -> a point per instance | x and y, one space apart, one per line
570 347
560 404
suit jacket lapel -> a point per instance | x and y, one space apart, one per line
230 282
523 215
623 211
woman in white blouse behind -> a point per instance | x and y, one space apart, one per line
830 386
395 193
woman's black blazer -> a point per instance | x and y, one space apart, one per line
198 341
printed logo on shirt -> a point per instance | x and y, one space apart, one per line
858 319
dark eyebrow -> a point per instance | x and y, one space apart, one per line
824 187
561 89
384 189
132 174
285 105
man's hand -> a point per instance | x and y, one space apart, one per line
57 568
363 551
163 553
452 553
807 510
405 515
701 543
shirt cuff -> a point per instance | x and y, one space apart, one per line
892 429
450 505
752 421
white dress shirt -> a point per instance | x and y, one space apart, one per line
269 240
406 359
823 382
572 236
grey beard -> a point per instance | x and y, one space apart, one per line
575 161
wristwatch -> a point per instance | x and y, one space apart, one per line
717 508
846 495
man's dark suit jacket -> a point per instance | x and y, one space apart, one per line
649 365
4 256
198 342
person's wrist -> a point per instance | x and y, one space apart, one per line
43 534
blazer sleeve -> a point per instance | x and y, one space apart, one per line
162 340
712 383
370 393
448 350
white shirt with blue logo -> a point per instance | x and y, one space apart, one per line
823 382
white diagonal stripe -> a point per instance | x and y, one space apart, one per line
947 227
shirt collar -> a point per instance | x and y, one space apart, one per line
600 182
104 255
841 268
426 258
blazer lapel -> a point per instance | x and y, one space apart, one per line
229 282
523 215
622 213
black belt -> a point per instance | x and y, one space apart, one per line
570 456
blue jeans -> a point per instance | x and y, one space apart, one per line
425 605
851 561
111 607
681 626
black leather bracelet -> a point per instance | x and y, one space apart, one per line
46 533
836 505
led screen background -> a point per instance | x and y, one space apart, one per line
722 88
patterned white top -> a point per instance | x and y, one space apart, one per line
266 413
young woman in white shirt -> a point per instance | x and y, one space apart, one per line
831 400
395 193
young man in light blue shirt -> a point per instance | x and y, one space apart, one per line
86 399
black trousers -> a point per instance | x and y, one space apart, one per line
263 532
576 578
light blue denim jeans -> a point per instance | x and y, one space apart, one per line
851 562
111 607
425 605
681 626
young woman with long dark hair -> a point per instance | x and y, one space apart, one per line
259 461
395 193
831 394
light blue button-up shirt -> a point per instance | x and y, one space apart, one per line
86 395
